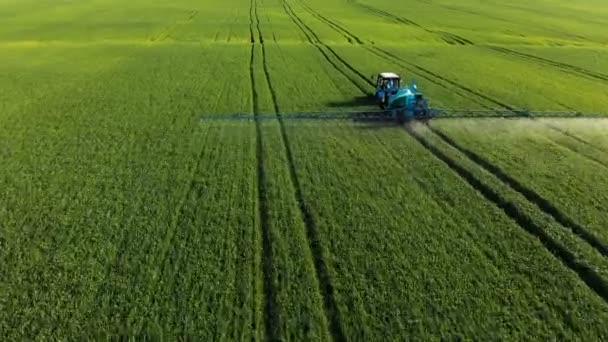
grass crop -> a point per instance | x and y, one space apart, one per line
126 212
544 160
377 188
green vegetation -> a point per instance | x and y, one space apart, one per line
123 213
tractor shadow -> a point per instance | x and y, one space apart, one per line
358 101
363 110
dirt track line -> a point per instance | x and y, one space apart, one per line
257 22
581 154
452 38
167 242
166 33
271 313
574 137
448 81
314 40
560 252
291 16
431 77
251 24
447 37
567 68
272 325
319 44
335 26
470 91
326 288
272 318
542 203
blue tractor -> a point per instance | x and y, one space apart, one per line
402 103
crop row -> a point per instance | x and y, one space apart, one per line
546 160
378 188
122 213
107 184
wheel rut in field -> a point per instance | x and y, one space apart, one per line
580 153
447 37
578 139
439 78
251 24
468 93
567 68
459 89
464 91
192 189
542 203
326 288
349 36
168 31
431 77
272 319
454 39
424 73
315 41
315 244
434 78
119 258
559 251
327 291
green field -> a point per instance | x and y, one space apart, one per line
126 212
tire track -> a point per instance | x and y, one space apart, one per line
314 40
402 62
454 39
462 91
466 92
581 154
576 138
272 319
119 257
429 76
572 136
166 33
326 288
413 68
542 203
315 242
439 81
349 36
447 37
559 251
167 242
251 24
567 68
257 23
529 194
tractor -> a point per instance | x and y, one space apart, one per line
402 103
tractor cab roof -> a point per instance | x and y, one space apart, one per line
389 75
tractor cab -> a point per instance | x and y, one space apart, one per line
387 84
